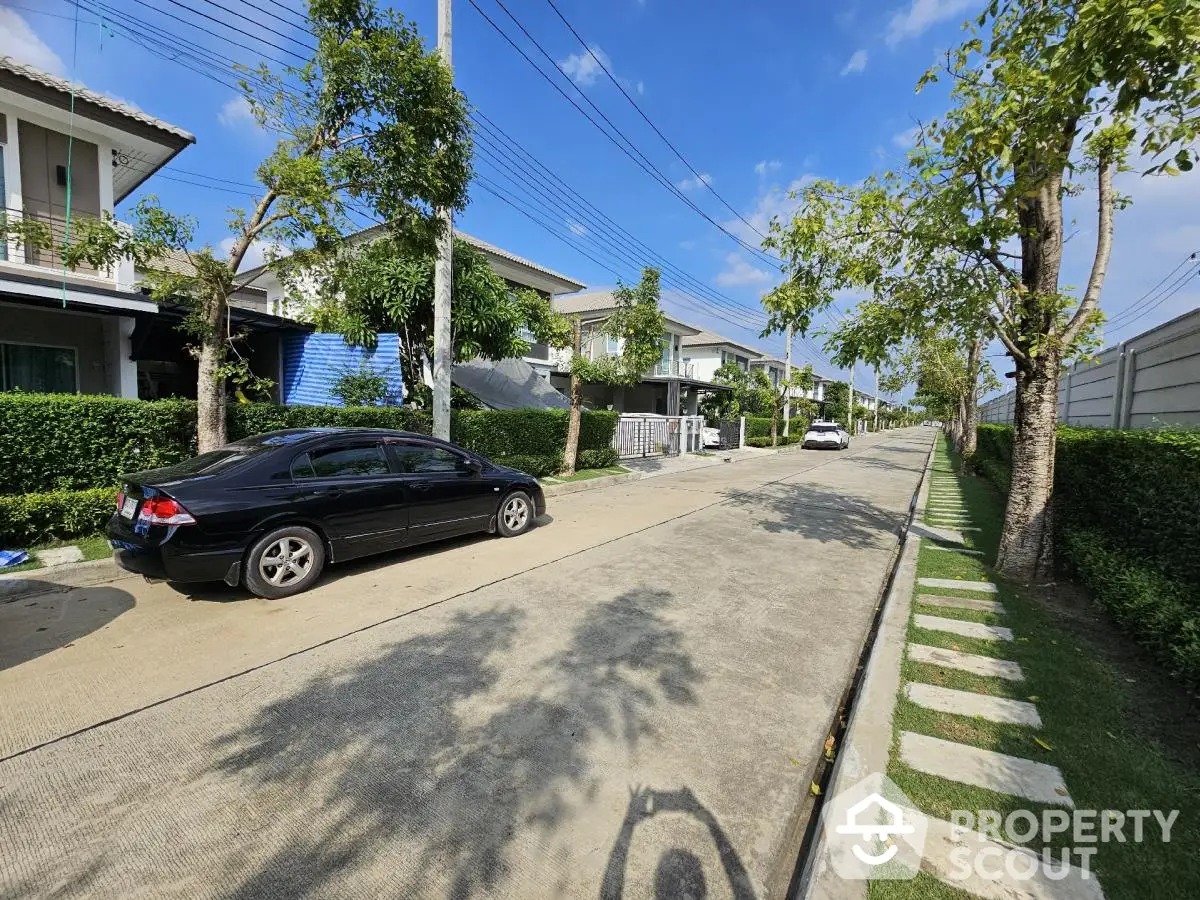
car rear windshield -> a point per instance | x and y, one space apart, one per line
215 460
824 428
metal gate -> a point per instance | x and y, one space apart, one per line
646 436
731 434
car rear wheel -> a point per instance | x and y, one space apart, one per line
285 562
515 515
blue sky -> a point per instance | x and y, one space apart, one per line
757 97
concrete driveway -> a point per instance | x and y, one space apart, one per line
625 702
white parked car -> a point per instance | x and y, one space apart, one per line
826 435
711 436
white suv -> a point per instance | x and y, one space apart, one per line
825 435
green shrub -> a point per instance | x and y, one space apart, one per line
759 426
30 519
537 466
597 459
52 442
1160 613
758 441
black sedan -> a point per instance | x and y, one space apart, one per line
270 511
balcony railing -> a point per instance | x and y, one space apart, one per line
47 233
672 369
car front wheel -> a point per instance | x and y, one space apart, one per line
284 562
515 515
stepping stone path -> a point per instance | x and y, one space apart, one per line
998 772
966 703
59 555
960 603
954 584
945 845
971 663
963 629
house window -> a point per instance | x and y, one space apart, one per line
44 370
612 345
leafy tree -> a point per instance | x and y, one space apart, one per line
751 394
386 285
1043 91
638 324
837 399
801 379
361 387
372 118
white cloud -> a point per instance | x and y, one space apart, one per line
694 184
584 68
236 113
907 139
739 273
641 87
256 255
577 228
920 16
687 245
20 42
767 165
774 201
856 63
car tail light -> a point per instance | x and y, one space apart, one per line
164 511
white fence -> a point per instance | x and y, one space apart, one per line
646 434
1147 381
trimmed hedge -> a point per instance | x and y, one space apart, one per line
27 519
59 452
1127 526
760 426
53 442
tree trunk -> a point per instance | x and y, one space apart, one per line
571 451
210 383
1026 546
775 427
970 407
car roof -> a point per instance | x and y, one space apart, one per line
298 436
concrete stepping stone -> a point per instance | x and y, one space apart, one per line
955 550
946 846
972 663
985 768
983 587
59 555
961 603
964 629
947 535
968 703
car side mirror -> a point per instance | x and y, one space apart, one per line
473 466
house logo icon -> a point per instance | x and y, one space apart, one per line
872 832
893 824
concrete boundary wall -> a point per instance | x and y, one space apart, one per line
1148 381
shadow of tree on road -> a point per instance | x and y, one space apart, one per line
821 513
398 757
55 616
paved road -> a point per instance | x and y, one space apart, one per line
627 700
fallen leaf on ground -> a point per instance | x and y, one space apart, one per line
1042 744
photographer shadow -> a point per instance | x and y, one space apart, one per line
679 874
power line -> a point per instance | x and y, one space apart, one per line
1132 307
631 150
700 178
1174 288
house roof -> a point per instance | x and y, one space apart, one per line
563 282
704 338
601 300
81 93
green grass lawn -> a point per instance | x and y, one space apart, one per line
1123 733
94 547
585 474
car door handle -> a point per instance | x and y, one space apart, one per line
331 493
421 485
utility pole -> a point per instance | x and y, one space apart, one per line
850 404
877 398
787 378
443 355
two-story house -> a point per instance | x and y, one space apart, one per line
706 351
671 387
70 331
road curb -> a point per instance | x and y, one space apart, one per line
867 742
55 579
589 484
